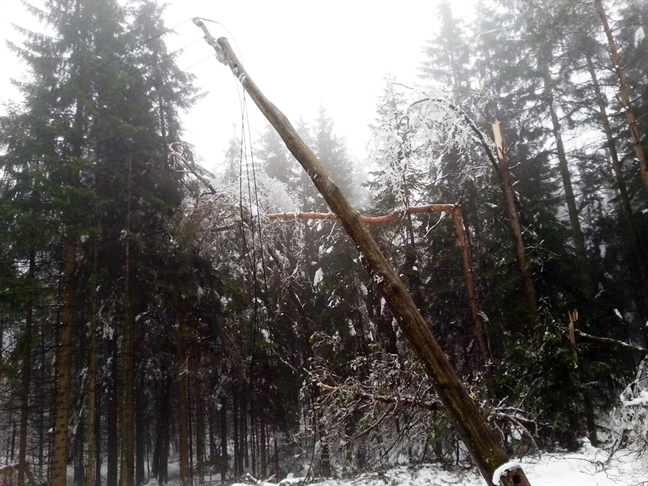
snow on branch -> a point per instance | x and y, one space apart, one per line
387 218
406 400
623 344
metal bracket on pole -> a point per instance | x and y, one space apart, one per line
220 55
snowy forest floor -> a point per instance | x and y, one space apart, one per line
590 466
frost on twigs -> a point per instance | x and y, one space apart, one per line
217 221
417 130
630 420
381 410
517 428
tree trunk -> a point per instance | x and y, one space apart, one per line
200 428
570 199
92 370
477 437
635 133
263 451
161 448
635 247
78 454
43 425
127 425
98 441
528 287
64 369
183 413
112 416
60 445
475 308
238 461
141 427
26 384
224 460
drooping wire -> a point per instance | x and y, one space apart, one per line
255 250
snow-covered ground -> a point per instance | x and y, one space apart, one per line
588 467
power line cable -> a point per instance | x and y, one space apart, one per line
246 157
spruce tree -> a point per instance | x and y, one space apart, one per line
101 105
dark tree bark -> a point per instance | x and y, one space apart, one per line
159 468
141 427
183 412
200 429
635 133
127 425
112 417
633 233
238 455
26 384
510 200
570 199
91 442
64 369
224 459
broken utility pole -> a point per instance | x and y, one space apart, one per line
487 453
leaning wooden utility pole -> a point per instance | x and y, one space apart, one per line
487 453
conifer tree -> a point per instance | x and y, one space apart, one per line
101 106
448 54
331 151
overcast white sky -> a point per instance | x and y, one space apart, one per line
301 54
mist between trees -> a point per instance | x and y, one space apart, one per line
155 327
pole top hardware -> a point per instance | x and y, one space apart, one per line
220 55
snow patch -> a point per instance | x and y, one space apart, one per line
319 276
639 36
503 471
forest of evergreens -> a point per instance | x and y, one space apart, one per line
160 322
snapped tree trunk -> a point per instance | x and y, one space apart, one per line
463 411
